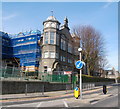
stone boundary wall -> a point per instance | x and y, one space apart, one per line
17 87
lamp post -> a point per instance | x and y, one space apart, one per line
80 50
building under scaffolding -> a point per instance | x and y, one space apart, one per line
22 51
9 62
26 47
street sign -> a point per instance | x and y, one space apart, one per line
79 64
67 72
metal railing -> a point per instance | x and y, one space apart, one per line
11 73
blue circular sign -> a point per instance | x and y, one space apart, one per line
79 64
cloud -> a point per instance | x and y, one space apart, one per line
9 17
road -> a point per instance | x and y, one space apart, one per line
90 99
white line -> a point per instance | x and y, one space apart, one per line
38 105
17 105
103 99
66 105
95 102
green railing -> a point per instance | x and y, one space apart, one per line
9 72
55 78
14 73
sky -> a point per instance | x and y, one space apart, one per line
103 16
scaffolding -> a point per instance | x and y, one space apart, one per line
26 47
6 46
23 46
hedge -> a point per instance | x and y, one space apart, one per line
87 78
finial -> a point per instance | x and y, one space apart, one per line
52 13
66 22
66 19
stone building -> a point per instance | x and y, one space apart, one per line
58 47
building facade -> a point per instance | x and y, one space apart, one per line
59 48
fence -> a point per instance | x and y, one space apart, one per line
11 73
55 78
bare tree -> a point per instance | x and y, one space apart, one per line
92 44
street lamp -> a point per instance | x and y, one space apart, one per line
80 50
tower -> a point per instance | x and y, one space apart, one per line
49 45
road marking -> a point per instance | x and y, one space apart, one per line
66 105
19 105
94 101
103 99
38 105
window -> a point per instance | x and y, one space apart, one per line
69 48
57 39
20 40
46 54
45 68
46 38
69 60
52 34
63 58
29 38
57 56
52 54
57 26
63 44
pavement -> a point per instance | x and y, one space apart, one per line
42 95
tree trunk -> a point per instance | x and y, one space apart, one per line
88 70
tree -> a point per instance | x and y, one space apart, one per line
92 44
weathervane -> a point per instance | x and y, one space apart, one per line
52 13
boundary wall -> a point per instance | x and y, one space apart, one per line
17 87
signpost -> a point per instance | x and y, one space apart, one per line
79 65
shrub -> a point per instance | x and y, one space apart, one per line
87 78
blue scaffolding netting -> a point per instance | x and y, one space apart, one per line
6 46
23 46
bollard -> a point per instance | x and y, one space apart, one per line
77 92
104 89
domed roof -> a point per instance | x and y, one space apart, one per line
35 32
21 34
52 18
